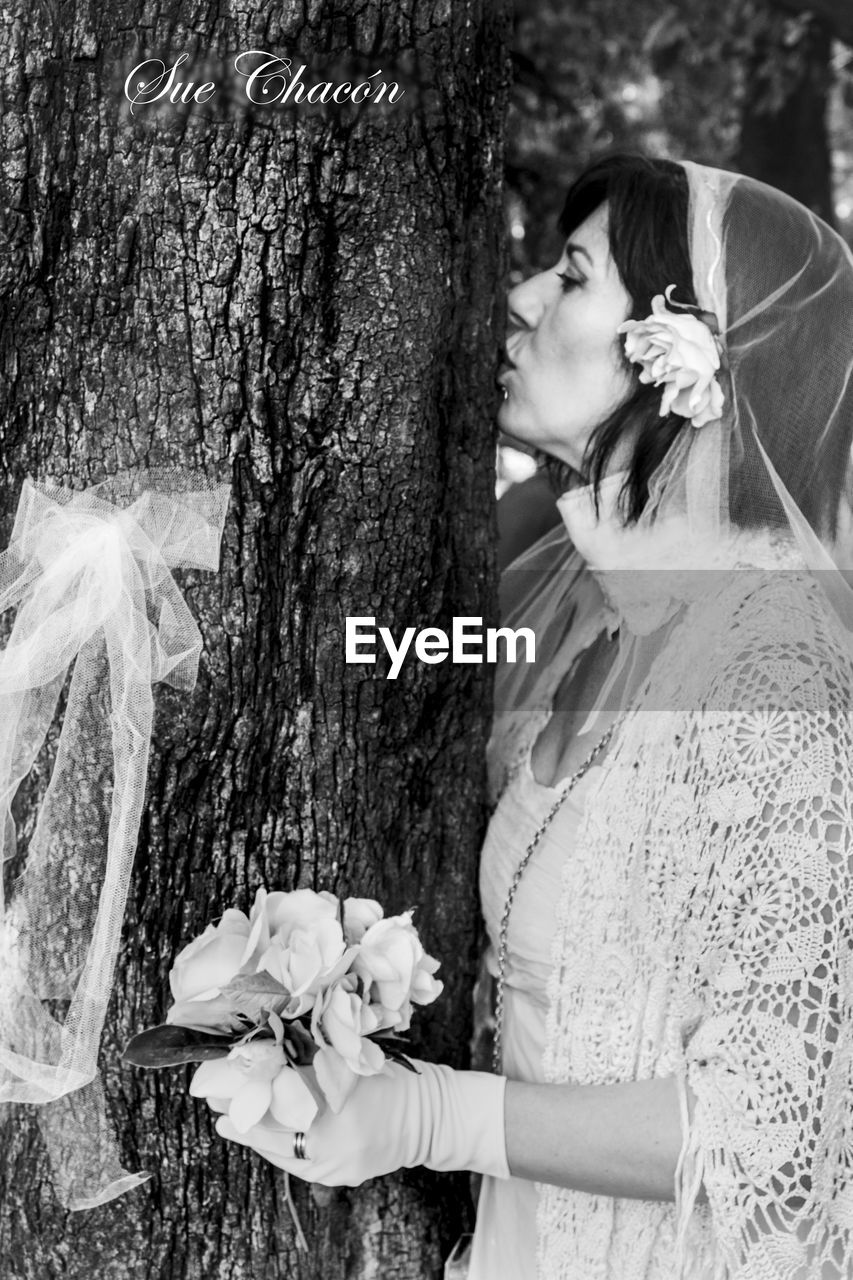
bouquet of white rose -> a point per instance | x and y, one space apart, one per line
304 979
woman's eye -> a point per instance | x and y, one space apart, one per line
569 282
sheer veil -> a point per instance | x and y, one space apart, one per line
767 487
780 282
91 575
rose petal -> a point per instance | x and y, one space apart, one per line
404 1018
340 1031
218 1015
221 1077
388 1019
371 1060
211 967
425 988
250 1104
293 1104
394 994
258 939
358 915
298 1005
300 907
334 1077
274 962
234 921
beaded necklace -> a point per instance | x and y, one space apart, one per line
568 787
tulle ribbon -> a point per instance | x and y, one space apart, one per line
90 573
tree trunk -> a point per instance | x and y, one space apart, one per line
307 297
784 136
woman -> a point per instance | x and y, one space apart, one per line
666 877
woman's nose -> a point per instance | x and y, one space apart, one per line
525 303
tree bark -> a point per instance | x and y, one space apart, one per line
784 138
307 298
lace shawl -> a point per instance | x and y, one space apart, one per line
705 931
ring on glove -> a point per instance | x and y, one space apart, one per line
299 1152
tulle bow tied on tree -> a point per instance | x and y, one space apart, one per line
90 573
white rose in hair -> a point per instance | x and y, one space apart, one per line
678 351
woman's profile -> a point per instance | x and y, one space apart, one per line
666 878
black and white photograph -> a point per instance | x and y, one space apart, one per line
426 640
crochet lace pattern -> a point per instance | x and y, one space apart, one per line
705 931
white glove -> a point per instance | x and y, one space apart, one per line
440 1118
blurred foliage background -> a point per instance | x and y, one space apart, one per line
761 86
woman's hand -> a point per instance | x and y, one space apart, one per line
440 1118
615 1140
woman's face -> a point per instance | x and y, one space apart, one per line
564 374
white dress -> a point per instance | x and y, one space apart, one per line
700 901
504 1245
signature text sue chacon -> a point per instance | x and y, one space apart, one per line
267 80
467 642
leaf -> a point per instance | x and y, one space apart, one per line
393 1046
396 1055
256 984
387 1037
299 1044
170 1045
253 995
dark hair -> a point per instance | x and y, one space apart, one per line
648 206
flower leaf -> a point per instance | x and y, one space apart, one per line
299 1044
170 1045
255 984
386 1037
396 1055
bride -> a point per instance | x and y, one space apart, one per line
666 878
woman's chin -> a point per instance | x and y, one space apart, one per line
512 433
507 440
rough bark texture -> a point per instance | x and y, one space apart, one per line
784 136
306 302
